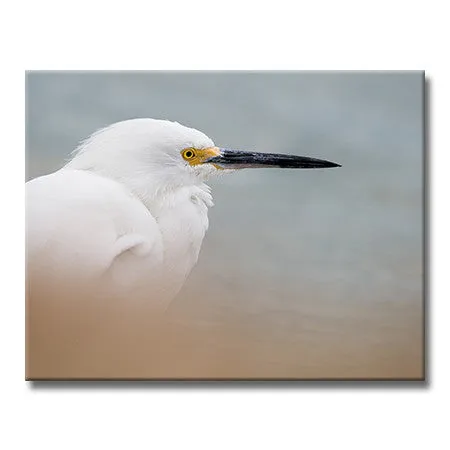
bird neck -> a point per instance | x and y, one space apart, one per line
152 187
165 201
182 217
158 193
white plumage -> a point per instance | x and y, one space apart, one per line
125 218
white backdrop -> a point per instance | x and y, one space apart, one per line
230 35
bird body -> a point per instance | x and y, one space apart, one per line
89 229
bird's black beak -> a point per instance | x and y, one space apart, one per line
235 159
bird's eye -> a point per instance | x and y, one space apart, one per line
188 153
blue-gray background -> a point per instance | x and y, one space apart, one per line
312 274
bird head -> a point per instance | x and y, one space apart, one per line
148 154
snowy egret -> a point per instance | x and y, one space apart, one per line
127 215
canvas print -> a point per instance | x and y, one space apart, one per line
225 225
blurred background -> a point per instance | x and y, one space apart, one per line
303 274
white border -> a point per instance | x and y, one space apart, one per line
228 35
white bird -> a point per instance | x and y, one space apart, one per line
126 217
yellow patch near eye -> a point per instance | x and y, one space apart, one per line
195 156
